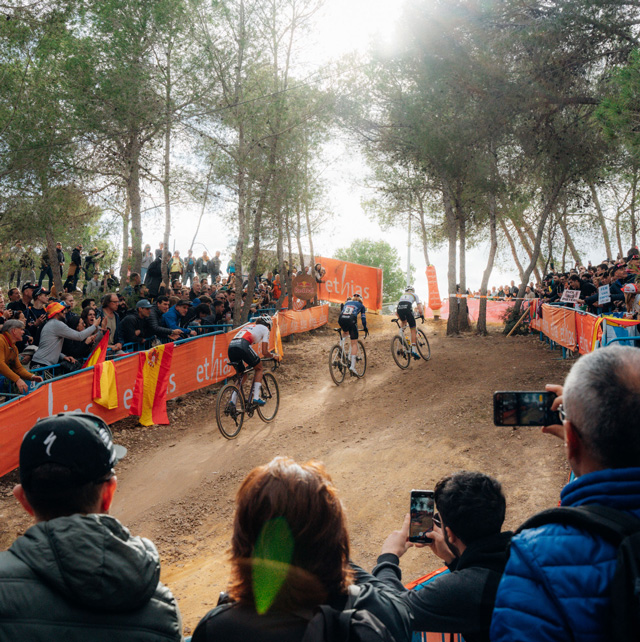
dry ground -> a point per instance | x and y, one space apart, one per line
379 437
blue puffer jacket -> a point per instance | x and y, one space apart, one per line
557 576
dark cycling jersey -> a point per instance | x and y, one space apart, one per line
351 309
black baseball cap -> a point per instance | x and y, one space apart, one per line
27 286
81 442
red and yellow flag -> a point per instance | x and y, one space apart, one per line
150 392
99 352
105 385
434 295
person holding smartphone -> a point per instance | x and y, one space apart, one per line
467 536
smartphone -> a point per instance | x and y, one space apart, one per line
524 409
421 510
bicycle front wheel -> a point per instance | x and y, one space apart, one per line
337 368
400 354
271 394
230 410
361 360
422 344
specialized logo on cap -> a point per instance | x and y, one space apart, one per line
106 438
48 442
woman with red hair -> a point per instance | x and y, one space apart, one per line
290 562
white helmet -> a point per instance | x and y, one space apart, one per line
409 288
357 296
264 319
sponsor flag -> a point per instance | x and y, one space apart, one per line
99 352
434 294
105 385
150 392
277 344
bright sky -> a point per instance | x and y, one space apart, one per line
344 26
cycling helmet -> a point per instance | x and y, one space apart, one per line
264 319
409 288
358 297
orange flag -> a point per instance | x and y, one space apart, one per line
99 352
434 295
150 392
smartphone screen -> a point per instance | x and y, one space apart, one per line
524 409
421 509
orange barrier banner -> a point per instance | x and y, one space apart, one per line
434 294
587 328
559 324
196 364
345 279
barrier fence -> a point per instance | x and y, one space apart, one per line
197 362
581 331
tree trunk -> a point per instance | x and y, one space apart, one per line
53 258
423 230
299 234
544 216
618 236
452 234
133 196
484 286
632 210
166 186
569 240
512 245
564 256
463 313
527 228
527 248
603 224
125 264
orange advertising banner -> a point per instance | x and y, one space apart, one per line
345 279
434 294
196 363
587 329
559 324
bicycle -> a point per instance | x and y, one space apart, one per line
401 345
230 416
340 359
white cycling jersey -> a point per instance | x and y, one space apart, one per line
410 296
254 333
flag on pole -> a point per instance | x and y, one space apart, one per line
99 352
150 392
105 385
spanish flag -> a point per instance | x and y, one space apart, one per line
105 385
275 338
99 352
150 392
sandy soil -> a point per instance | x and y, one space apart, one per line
379 437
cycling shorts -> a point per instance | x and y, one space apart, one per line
405 313
349 324
241 352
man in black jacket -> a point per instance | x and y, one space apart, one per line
470 542
156 326
133 327
78 574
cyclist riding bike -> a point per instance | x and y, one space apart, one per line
240 353
348 321
405 314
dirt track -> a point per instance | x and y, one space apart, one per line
379 437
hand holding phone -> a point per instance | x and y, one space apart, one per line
512 408
421 509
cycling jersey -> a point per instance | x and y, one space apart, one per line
254 333
405 308
348 319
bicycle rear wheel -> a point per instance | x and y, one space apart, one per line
337 368
361 360
229 415
422 343
271 394
400 354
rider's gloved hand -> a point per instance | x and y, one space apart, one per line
422 317
366 333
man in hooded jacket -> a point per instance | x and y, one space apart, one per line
78 574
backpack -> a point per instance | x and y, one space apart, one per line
327 624
623 530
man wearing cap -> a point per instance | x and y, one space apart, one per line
24 302
74 269
36 314
132 327
10 366
174 317
54 333
78 574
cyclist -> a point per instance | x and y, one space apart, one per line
348 321
241 352
405 314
